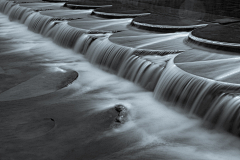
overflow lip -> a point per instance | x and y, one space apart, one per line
69 15
197 95
144 52
117 15
213 44
165 28
56 1
79 6
167 23
230 87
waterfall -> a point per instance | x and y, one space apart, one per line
95 45
107 55
225 113
37 22
123 60
65 35
5 6
199 96
16 12
141 71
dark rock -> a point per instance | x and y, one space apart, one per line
120 119
120 108
122 113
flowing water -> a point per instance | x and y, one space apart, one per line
77 121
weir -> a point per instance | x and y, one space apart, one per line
198 95
215 101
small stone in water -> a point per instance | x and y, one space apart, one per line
120 119
119 108
122 115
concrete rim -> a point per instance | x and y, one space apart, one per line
168 26
214 43
77 6
224 84
117 15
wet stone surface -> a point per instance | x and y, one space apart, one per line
120 114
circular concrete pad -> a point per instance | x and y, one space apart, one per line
218 65
166 23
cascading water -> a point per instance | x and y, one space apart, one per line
99 51
17 12
225 113
108 55
180 90
37 22
5 6
141 71
197 95
65 35
123 61
83 111
118 59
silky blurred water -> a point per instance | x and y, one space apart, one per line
83 112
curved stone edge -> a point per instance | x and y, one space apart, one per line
224 84
55 1
165 28
143 52
211 43
76 6
117 15
195 94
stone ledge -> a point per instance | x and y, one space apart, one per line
77 6
117 15
166 27
227 87
214 43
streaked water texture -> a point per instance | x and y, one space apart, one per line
77 120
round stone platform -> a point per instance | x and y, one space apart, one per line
40 6
119 12
220 63
222 68
218 36
97 23
67 14
117 15
166 23
84 6
215 65
136 38
127 35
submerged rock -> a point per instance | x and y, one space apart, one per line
122 113
120 119
120 108
121 116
